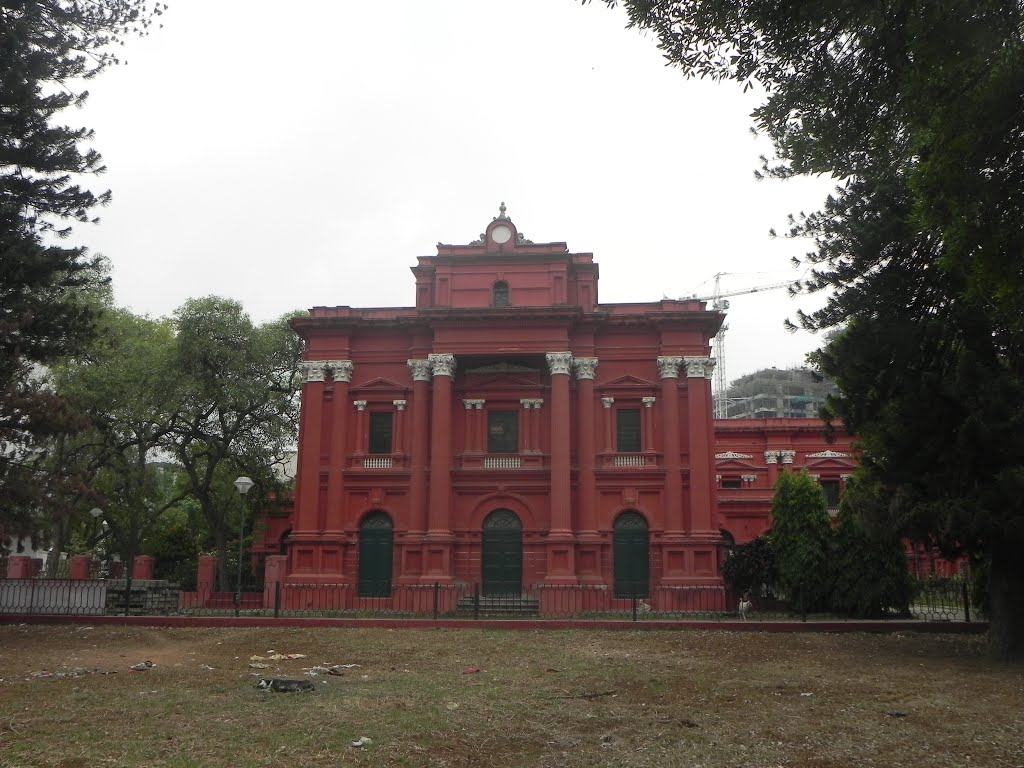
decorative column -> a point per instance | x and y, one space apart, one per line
438 565
609 431
398 438
704 538
474 414
668 370
413 553
771 460
310 496
648 427
588 548
341 371
361 439
561 566
526 439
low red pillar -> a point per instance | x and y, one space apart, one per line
143 567
19 567
79 567
206 578
273 574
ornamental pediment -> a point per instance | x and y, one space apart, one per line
379 384
627 382
828 455
725 455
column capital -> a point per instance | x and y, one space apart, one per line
787 456
771 457
559 362
341 370
699 367
585 367
668 367
313 370
399 404
531 403
442 365
607 402
359 404
648 401
420 369
471 404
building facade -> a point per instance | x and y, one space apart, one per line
511 431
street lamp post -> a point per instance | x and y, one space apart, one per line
243 484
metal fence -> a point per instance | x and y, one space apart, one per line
941 600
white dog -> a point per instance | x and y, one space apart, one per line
745 606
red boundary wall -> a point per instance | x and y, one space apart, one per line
936 627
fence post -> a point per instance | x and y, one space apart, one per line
476 600
966 595
277 599
32 599
437 597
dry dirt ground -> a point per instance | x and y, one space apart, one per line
515 698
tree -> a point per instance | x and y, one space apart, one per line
870 576
125 389
49 48
750 567
239 407
801 535
918 108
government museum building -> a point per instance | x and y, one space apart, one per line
512 433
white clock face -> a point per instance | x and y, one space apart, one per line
501 234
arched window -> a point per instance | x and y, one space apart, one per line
630 555
500 294
375 539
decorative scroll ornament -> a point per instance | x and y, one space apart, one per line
648 401
442 365
341 370
359 404
787 456
420 369
828 455
585 367
559 362
469 405
607 402
668 367
313 370
399 404
531 403
734 455
749 479
699 367
771 457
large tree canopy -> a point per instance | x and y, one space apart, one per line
48 49
917 109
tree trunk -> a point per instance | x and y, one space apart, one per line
1006 601
60 536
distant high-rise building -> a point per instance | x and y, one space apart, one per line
778 393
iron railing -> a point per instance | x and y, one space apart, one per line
944 600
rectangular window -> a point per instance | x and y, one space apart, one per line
502 432
381 428
831 489
627 430
732 483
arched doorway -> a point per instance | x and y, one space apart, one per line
502 553
630 555
375 538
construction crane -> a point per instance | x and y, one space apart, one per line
719 302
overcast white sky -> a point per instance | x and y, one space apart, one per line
304 153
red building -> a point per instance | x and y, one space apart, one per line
509 430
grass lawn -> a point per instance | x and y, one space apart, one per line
551 698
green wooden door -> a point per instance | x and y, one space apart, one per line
502 553
375 538
630 555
